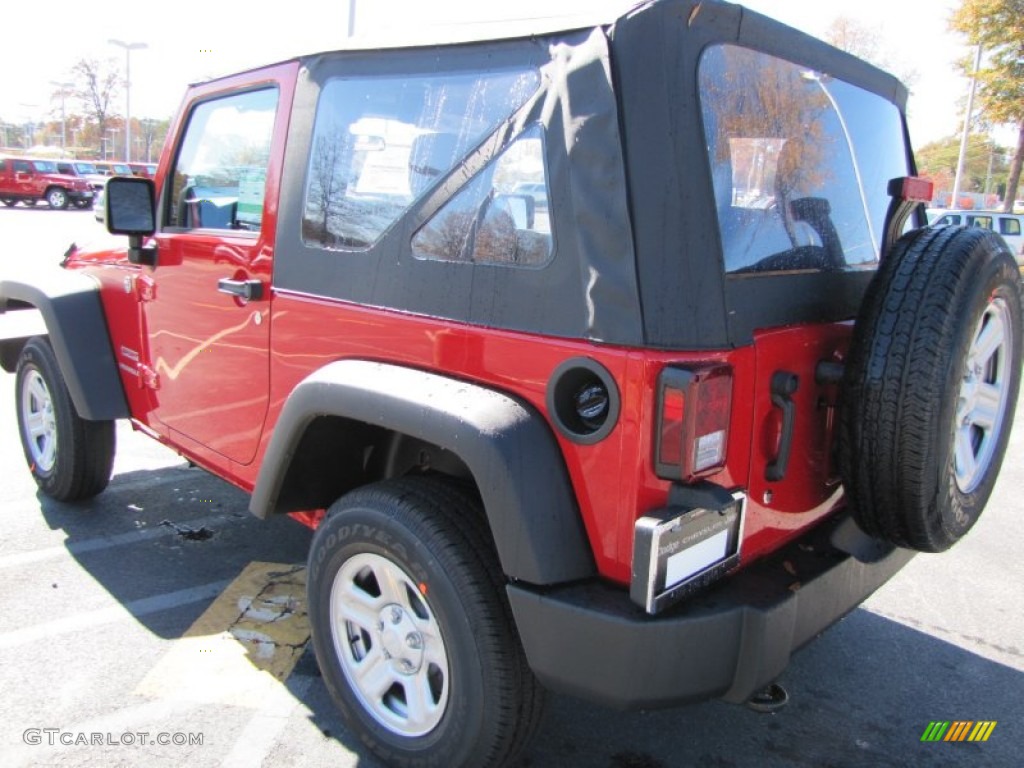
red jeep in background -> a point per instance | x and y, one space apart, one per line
616 361
29 181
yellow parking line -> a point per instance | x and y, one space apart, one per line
243 646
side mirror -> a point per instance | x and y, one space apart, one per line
130 208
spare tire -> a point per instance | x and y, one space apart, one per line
930 387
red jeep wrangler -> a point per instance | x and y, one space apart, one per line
616 361
29 180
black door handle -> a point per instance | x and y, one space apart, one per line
247 290
784 384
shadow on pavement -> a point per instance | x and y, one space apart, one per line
170 530
861 695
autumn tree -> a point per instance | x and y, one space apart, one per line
985 164
96 84
996 26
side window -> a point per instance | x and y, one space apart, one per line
981 222
800 163
3 166
380 143
1009 226
219 176
499 217
22 166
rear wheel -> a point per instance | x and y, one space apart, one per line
412 629
83 203
30 203
57 198
9 203
70 458
931 387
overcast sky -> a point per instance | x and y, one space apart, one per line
194 40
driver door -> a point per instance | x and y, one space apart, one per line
207 312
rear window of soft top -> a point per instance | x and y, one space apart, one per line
800 163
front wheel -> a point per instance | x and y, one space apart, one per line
83 204
9 203
57 198
412 630
70 458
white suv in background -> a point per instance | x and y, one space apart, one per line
1009 225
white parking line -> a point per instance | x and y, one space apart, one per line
136 608
261 733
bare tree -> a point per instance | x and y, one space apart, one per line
96 85
865 42
853 37
327 175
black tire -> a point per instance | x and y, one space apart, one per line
931 387
428 537
57 198
9 203
30 203
83 204
70 458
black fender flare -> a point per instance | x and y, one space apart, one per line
509 448
70 305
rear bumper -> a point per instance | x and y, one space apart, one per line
728 642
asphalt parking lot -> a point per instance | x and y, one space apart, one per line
162 608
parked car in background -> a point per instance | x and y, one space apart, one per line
29 180
83 169
148 170
99 207
114 169
1009 225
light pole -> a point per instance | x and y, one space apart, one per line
113 141
147 127
955 202
63 120
128 48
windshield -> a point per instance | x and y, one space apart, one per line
123 169
44 166
85 168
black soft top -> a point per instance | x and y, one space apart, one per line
638 246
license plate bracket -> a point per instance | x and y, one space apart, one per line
678 551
